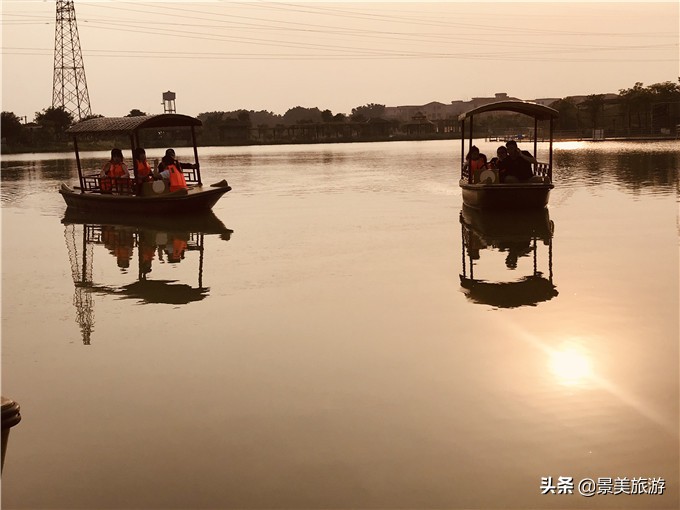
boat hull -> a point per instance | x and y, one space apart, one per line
496 225
195 200
506 196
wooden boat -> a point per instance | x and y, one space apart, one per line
484 190
517 236
127 196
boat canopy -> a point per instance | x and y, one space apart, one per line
128 125
131 126
535 110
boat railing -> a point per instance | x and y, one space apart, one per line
465 173
191 175
542 170
116 185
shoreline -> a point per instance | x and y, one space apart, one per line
67 147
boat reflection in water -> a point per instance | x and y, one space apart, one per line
138 246
517 235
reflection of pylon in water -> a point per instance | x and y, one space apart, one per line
82 299
69 87
81 270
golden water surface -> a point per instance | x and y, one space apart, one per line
342 334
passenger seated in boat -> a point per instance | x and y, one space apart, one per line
517 166
171 173
142 166
114 173
501 154
474 160
171 154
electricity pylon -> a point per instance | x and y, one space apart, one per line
69 87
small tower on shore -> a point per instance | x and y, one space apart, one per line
169 102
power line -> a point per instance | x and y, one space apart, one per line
94 53
315 50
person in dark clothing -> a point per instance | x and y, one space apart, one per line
170 153
517 166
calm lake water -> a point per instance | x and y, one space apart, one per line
335 337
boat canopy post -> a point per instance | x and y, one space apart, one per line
462 146
198 166
80 171
470 147
535 137
550 161
134 159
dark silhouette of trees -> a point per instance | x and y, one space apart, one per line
665 91
637 111
368 111
327 116
650 108
568 119
11 127
594 106
301 115
54 121
635 101
665 105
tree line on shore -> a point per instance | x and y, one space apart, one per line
636 111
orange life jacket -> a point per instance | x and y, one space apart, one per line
148 252
177 180
115 170
143 170
476 164
178 248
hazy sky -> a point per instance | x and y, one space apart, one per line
225 55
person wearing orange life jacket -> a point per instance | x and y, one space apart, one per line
143 170
474 161
113 169
171 154
172 173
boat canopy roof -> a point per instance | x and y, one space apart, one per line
125 125
529 291
538 111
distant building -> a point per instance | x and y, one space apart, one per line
420 125
607 98
433 110
475 102
546 101
436 111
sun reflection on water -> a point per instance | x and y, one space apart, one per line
571 365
